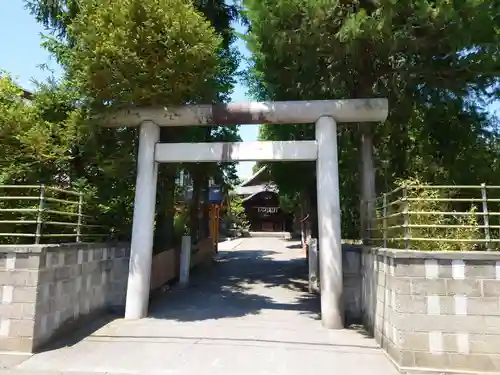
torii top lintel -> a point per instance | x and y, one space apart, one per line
289 112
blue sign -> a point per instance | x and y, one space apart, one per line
215 194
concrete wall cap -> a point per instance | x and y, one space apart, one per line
34 249
418 254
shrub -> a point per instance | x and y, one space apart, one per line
441 228
237 215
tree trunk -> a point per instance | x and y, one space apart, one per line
194 207
305 210
205 215
165 204
367 174
313 209
165 209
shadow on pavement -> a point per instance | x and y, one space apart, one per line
232 286
86 327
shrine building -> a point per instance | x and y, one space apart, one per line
262 204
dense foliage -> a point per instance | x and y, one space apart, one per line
32 146
437 62
129 52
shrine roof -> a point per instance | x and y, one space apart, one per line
254 189
261 177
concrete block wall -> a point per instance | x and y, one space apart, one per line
378 292
46 287
18 293
434 310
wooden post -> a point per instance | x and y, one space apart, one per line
39 218
211 223
216 227
214 232
486 217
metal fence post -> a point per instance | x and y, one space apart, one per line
486 216
384 219
39 218
79 222
406 218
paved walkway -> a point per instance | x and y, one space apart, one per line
248 314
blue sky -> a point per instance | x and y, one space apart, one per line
247 132
20 44
22 55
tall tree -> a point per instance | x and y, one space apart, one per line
425 56
62 16
119 27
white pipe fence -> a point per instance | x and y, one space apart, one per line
436 217
40 212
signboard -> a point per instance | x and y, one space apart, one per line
215 194
268 210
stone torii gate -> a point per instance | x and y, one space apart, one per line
324 113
